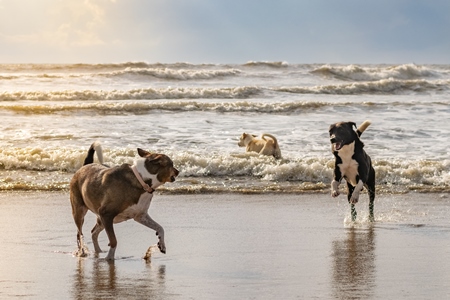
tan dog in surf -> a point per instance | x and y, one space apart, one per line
118 194
261 145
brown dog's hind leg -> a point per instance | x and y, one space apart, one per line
95 232
79 220
79 210
107 221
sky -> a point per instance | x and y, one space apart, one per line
225 31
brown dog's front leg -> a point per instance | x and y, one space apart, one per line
146 220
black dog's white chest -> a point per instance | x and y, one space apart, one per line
348 165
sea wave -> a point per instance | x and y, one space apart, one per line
380 87
140 107
39 168
82 67
143 107
149 93
271 64
343 72
174 74
158 73
359 73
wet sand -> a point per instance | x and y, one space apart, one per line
233 246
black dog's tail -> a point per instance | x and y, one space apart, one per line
95 147
362 127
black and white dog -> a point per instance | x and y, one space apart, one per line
352 163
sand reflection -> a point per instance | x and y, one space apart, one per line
354 264
99 279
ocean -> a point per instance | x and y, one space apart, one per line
195 113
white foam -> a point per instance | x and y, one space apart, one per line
413 173
364 73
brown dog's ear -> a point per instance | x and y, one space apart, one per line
143 153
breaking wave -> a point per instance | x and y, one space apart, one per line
174 74
38 168
159 73
274 64
380 87
149 93
143 107
358 73
95 67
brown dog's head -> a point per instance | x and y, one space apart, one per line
159 164
342 134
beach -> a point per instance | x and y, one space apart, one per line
233 246
171 88
237 225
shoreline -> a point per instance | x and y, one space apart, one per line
304 188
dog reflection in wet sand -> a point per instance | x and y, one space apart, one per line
118 194
352 164
354 267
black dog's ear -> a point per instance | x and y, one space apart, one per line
353 124
332 126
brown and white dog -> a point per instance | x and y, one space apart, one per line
261 145
352 163
118 194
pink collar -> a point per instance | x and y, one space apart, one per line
146 187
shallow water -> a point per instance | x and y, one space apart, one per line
231 246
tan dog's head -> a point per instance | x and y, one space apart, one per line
245 139
160 165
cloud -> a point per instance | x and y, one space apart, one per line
63 24
342 31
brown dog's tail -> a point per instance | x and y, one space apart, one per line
362 127
95 147
277 151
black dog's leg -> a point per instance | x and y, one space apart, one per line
371 188
351 188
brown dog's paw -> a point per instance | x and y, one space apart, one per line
81 252
162 248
